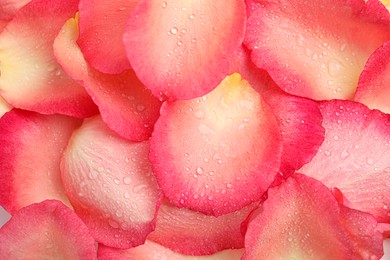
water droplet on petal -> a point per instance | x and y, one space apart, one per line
174 30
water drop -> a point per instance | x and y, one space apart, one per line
199 114
199 170
127 180
164 4
174 30
192 16
126 195
140 107
369 161
179 43
344 154
335 68
327 153
113 223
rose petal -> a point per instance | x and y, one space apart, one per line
300 124
302 220
110 184
217 153
193 233
315 49
374 82
354 156
170 50
101 45
30 153
8 8
47 230
125 104
30 77
151 250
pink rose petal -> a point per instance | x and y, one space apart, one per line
168 44
30 153
126 106
151 250
4 107
354 156
110 184
318 48
193 233
47 230
217 153
374 82
302 220
102 46
30 76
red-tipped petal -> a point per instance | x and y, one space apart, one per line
302 220
126 106
300 124
102 46
354 156
30 76
318 48
374 83
217 153
8 8
168 44
193 233
110 184
47 230
30 153
151 250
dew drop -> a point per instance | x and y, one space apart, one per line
164 4
344 154
117 181
369 161
335 68
179 43
174 30
126 195
327 153
192 16
199 170
199 114
140 107
113 223
127 180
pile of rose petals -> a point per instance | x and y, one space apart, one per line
138 129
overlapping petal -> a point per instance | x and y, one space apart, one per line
110 184
4 107
30 76
374 82
46 230
217 153
354 156
168 44
151 250
301 219
102 46
8 8
30 159
126 106
316 49
192 233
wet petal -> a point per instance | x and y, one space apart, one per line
217 153
30 153
315 49
110 184
47 230
167 43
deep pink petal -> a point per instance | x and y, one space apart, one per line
151 250
354 156
8 8
101 45
193 233
110 184
217 153
300 124
30 153
47 230
30 76
318 48
168 44
374 82
302 220
126 106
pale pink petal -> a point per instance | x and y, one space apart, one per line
354 156
110 184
